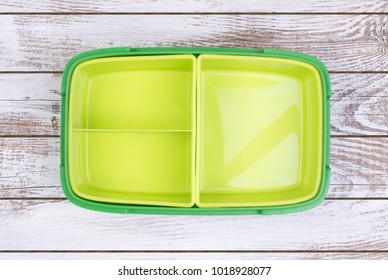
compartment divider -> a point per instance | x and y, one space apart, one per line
132 130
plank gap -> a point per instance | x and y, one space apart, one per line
193 13
358 135
61 72
192 251
48 199
331 136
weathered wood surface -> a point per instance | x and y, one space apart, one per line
59 225
36 40
46 42
200 6
197 256
30 104
30 168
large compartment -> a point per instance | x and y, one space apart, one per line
259 131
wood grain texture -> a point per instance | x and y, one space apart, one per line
359 104
30 168
46 42
30 104
348 36
196 256
176 6
359 161
59 225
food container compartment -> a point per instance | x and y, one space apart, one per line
260 131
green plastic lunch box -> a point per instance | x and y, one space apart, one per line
195 131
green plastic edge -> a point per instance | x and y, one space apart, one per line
161 210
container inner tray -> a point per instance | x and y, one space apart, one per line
206 131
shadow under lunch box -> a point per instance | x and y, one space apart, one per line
195 131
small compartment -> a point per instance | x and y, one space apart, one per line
135 93
259 131
151 168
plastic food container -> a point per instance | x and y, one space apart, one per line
195 131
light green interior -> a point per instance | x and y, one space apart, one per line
212 131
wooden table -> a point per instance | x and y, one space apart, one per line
38 37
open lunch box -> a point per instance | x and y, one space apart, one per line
195 131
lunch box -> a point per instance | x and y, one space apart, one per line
195 131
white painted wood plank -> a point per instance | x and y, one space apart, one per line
46 42
200 6
196 256
59 225
30 118
30 104
352 191
30 168
359 104
359 161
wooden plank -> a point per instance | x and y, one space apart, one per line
30 168
176 6
46 42
352 191
59 225
359 104
359 161
196 256
30 104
